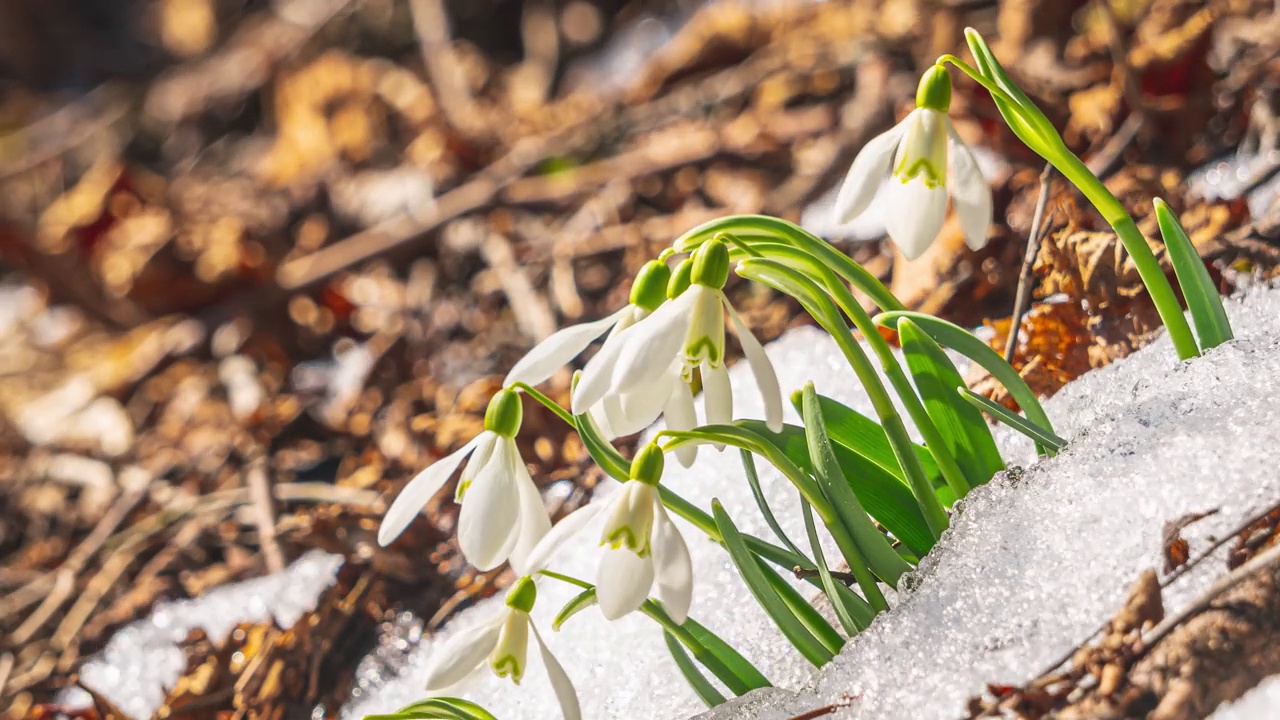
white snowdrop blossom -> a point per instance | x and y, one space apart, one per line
647 368
502 514
501 643
647 293
929 161
644 549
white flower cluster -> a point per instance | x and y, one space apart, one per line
672 329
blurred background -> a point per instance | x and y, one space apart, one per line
262 261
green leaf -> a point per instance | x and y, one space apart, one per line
886 497
438 708
580 602
963 428
711 661
1042 436
876 552
756 575
829 585
704 689
813 620
864 436
724 652
753 479
1203 301
700 519
962 341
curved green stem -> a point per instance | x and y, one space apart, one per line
947 464
820 306
550 404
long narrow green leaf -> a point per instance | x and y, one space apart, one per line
962 341
886 497
755 574
1013 420
866 437
724 652
876 552
813 620
1207 312
828 583
963 428
701 686
439 708
702 520
753 479
580 602
737 684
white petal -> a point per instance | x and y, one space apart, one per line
867 172
914 215
559 348
599 415
489 523
479 459
614 417
569 526
680 415
640 407
654 342
597 376
717 397
534 523
762 368
464 653
672 565
623 581
970 193
631 512
560 682
420 490
706 325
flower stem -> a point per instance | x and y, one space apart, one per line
550 404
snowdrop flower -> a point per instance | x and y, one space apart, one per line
920 150
644 549
502 514
501 643
646 369
647 293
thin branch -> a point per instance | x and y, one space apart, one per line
1023 299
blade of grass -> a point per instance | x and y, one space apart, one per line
723 651
1013 420
1210 318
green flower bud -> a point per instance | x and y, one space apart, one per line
504 413
522 594
711 264
681 278
650 288
648 464
934 91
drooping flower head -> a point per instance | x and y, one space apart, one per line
644 549
647 369
501 644
558 349
926 161
502 513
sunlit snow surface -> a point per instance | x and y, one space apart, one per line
1030 567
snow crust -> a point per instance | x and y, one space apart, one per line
144 659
